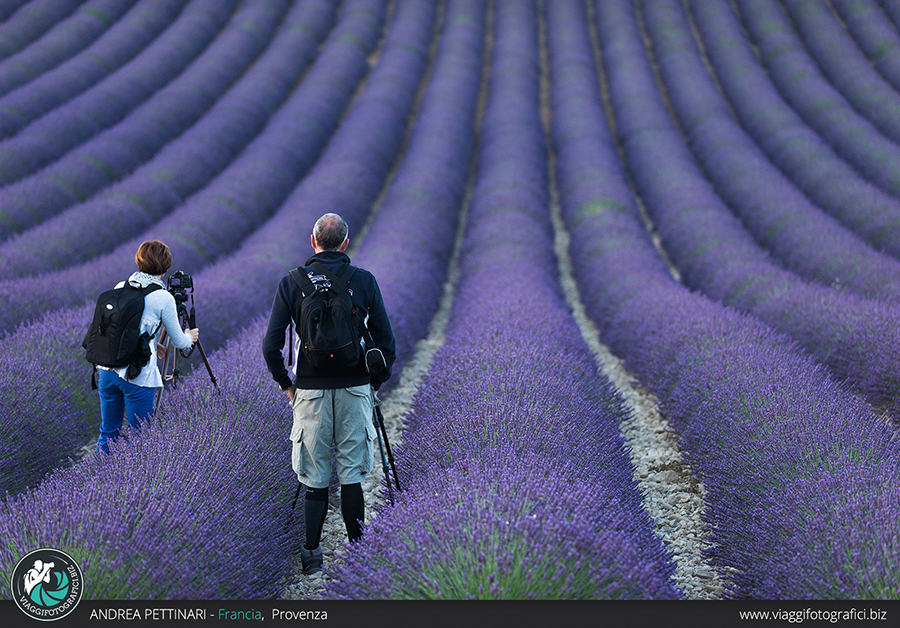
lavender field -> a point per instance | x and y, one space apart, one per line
641 258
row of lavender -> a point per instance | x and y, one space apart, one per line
237 288
852 335
211 117
775 212
23 24
229 436
801 83
272 140
841 61
800 475
62 42
57 104
50 383
517 482
799 151
874 34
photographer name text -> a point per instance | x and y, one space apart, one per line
164 614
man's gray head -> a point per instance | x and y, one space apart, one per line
330 232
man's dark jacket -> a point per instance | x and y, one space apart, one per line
365 295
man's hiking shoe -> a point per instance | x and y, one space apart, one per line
311 559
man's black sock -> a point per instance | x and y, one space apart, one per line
315 506
353 508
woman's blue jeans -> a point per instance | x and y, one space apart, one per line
120 399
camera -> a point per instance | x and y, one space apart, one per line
178 285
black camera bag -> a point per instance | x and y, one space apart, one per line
114 337
329 325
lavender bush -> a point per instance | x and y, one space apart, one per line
30 22
781 219
851 335
124 39
243 410
410 241
892 10
172 112
45 416
845 66
48 412
8 8
799 151
494 530
61 42
821 105
517 482
784 453
196 507
239 287
873 33
214 221
44 133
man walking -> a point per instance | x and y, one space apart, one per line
332 394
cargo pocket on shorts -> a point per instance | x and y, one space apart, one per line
299 451
297 458
366 395
371 435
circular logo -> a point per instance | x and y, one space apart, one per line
47 584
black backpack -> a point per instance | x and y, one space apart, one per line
114 337
329 325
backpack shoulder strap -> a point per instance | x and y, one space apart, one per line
301 279
152 287
342 279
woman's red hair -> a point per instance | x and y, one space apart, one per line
153 257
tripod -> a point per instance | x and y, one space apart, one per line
190 321
378 420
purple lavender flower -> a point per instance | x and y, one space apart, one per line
779 216
27 23
205 91
512 429
782 450
872 31
845 66
804 156
801 83
53 129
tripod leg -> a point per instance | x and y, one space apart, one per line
206 362
387 444
165 367
384 467
175 372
